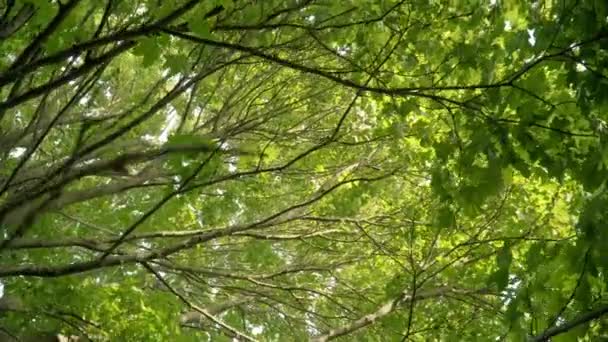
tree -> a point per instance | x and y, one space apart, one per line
289 170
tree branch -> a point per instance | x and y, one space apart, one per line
562 328
388 308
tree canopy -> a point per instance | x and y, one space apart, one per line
292 170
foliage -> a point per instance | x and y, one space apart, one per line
273 170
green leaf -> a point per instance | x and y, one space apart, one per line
200 27
395 286
445 217
149 49
504 256
176 63
534 256
45 11
190 141
572 335
184 149
503 260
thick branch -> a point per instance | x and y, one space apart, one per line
389 307
562 328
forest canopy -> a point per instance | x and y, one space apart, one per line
293 170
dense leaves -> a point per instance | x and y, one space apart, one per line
273 170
